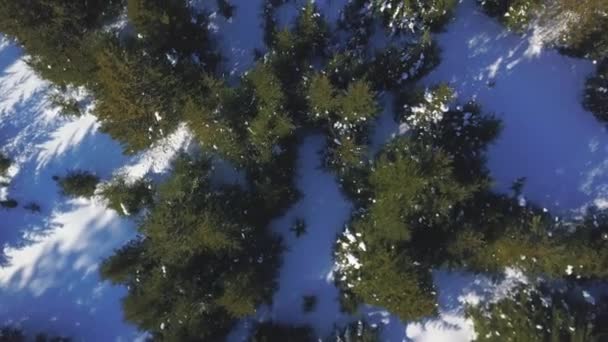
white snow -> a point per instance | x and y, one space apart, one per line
51 283
308 264
455 290
548 137
238 36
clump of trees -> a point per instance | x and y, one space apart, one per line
542 314
514 14
426 202
59 35
346 115
414 15
128 198
204 258
78 183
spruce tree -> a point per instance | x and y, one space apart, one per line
204 258
541 314
138 99
78 183
128 198
59 35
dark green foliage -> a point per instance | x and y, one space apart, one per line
409 182
58 34
463 132
272 332
410 16
132 91
515 14
68 106
128 198
204 260
586 27
504 234
133 79
584 22
596 92
354 105
311 32
386 278
393 67
78 184
541 315
170 27
410 192
410 203
5 163
270 124
210 125
346 114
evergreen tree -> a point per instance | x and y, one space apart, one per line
347 115
138 100
586 24
128 198
204 259
494 231
78 184
322 97
541 315
394 67
168 27
58 34
381 276
414 15
515 14
410 203
270 124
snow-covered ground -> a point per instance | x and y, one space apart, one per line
51 283
308 263
548 137
239 36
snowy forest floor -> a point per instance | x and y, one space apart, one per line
50 281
